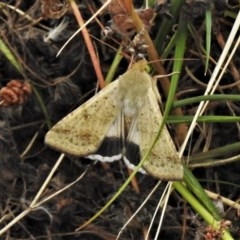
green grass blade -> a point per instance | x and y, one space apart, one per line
10 56
208 19
193 184
204 119
214 97
198 207
167 24
177 65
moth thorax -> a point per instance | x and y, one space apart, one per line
132 105
129 111
128 123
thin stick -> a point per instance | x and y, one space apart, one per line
89 44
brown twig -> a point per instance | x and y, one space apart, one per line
89 44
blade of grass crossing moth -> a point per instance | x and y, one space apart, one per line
169 164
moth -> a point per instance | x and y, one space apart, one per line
121 122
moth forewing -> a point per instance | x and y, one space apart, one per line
163 161
110 149
81 132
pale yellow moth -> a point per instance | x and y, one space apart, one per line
120 122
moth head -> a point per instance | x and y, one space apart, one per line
141 66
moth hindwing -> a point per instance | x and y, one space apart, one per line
121 121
